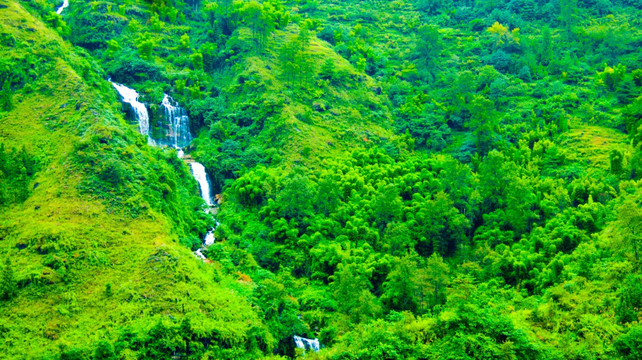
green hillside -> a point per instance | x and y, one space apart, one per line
428 179
96 248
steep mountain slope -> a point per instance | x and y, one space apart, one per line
406 179
92 259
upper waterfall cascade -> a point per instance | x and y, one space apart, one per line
175 126
171 125
130 96
307 344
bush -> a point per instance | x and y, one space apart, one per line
129 68
500 60
629 345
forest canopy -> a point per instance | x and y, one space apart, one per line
428 179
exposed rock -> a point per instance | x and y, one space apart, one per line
318 106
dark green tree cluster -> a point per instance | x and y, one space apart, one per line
17 169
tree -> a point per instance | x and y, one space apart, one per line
197 60
502 36
629 344
328 70
398 239
184 41
520 202
328 196
104 351
428 49
501 60
276 12
8 285
437 276
400 288
261 25
546 47
440 227
349 282
6 98
629 220
612 77
211 9
145 48
430 6
616 160
295 198
482 123
288 60
295 62
568 12
463 88
387 205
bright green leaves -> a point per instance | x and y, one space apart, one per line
145 48
6 97
197 61
295 197
611 77
402 287
387 205
294 59
629 220
483 123
184 42
351 291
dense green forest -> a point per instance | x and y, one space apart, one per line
427 179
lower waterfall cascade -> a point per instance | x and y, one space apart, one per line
62 7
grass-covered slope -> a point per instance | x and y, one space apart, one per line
94 247
402 179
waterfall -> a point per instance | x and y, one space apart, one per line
198 170
130 96
174 120
62 7
307 344
209 238
178 134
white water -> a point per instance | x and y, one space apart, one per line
199 253
178 134
130 96
306 344
64 5
209 238
198 170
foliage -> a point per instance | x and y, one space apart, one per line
403 179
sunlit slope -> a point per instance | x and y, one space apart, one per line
87 267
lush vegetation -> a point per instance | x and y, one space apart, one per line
400 179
